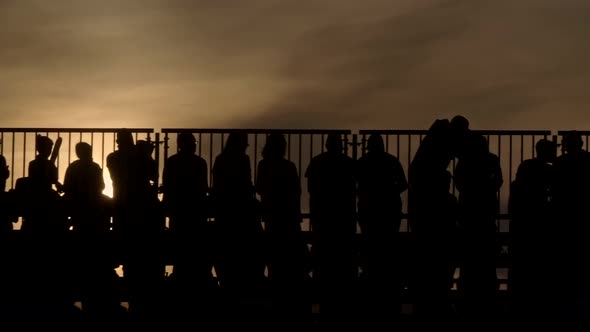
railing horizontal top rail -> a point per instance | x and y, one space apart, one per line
581 132
483 132
284 131
254 131
514 132
75 130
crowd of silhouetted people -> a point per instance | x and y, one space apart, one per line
240 257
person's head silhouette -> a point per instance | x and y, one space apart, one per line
43 145
572 142
186 143
145 147
459 124
334 143
237 142
275 147
84 151
477 145
546 150
375 144
124 139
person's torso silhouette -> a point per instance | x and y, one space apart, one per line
331 182
185 189
279 187
571 194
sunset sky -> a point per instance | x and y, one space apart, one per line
513 64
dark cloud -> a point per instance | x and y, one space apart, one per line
288 63
489 60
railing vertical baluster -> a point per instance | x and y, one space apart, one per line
363 144
289 146
310 147
409 150
255 156
521 148
57 159
157 156
499 146
12 161
102 161
510 158
354 146
166 146
346 144
25 153
408 228
300 152
70 147
211 159
200 143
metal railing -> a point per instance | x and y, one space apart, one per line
302 146
511 146
18 147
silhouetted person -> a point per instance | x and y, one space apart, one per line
427 195
42 170
381 180
6 206
531 228
435 153
332 200
239 262
90 216
7 217
139 231
280 192
153 209
4 173
571 194
185 188
43 268
435 246
131 175
83 186
459 131
146 149
478 178
46 213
